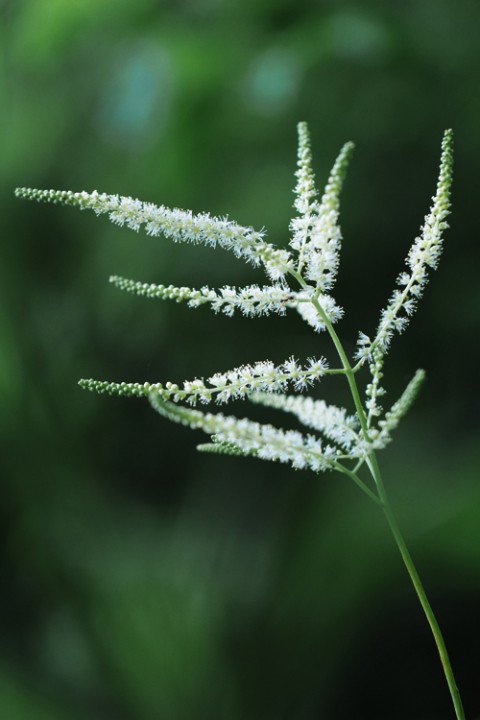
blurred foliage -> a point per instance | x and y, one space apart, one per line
140 580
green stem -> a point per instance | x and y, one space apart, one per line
352 474
382 500
349 372
419 589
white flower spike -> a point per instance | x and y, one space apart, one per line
222 387
177 225
316 232
424 253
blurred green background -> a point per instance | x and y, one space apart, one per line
139 579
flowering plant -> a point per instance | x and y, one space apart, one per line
336 440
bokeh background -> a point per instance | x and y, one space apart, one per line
140 579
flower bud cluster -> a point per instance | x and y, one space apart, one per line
380 436
222 448
374 390
398 410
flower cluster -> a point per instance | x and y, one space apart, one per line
331 311
424 253
312 262
245 437
374 390
251 300
333 422
177 225
316 235
235 384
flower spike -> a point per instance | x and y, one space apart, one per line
223 387
177 225
251 300
251 438
316 232
424 253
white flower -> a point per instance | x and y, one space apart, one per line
311 315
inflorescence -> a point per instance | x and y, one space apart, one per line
337 438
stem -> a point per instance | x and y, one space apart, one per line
349 372
382 500
421 594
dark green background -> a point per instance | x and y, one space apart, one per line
139 579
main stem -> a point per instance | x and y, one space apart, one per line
419 589
390 517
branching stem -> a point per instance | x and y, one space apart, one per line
351 474
381 499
